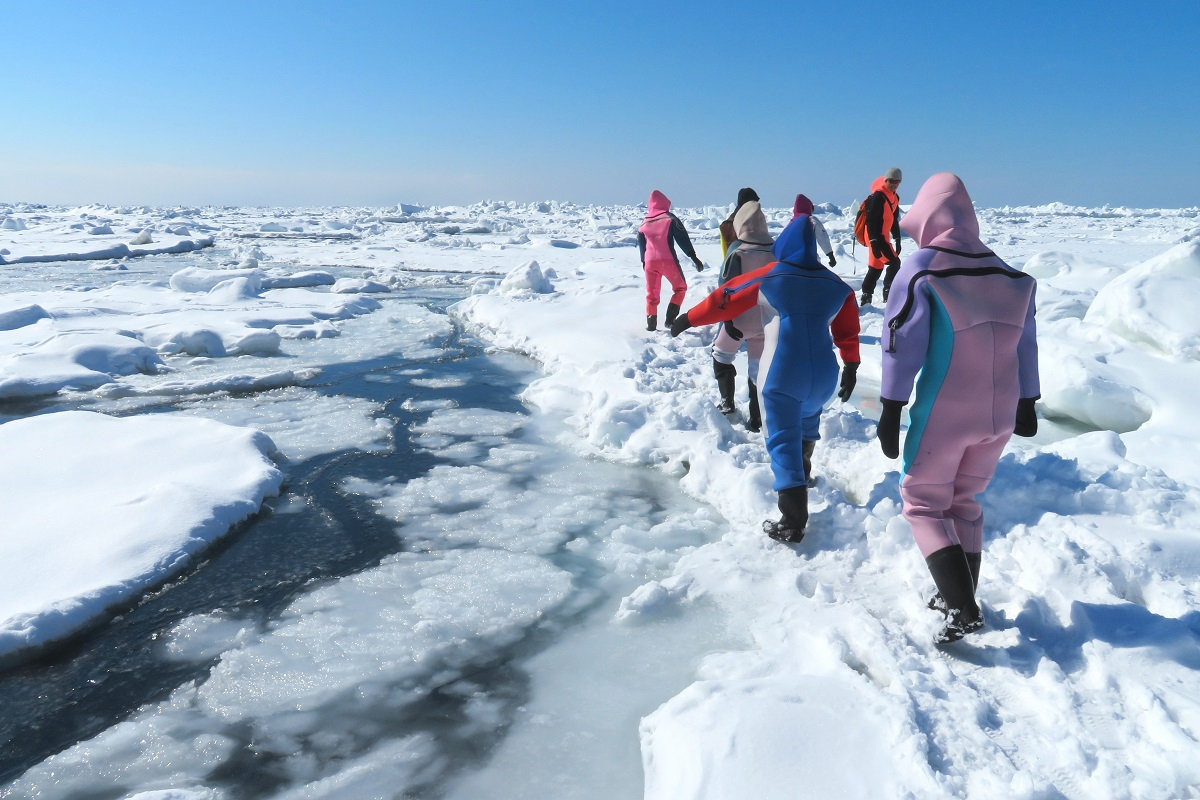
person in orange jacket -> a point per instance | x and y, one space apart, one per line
883 220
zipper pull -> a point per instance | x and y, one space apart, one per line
891 348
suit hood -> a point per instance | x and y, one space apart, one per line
659 204
802 206
942 215
798 244
750 224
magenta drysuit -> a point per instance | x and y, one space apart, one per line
657 235
964 320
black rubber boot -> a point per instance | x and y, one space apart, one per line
938 603
725 374
793 504
808 448
672 313
974 560
755 422
952 575
651 322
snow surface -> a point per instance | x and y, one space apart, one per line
821 671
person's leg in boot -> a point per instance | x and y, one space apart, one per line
889 275
970 535
678 283
725 374
809 447
724 351
672 313
754 424
952 574
975 472
868 285
787 464
754 349
793 507
653 272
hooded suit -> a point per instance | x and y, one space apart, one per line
657 235
755 249
964 320
806 310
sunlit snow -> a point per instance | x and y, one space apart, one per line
580 588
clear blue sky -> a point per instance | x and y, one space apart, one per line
241 102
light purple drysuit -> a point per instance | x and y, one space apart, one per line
965 320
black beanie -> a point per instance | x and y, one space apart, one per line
746 195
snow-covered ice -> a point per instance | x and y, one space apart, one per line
766 667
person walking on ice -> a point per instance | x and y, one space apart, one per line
882 209
726 228
805 206
754 249
806 310
657 236
964 320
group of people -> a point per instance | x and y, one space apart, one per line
959 329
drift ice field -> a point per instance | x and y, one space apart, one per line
406 503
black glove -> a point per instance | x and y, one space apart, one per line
699 264
897 247
832 260
1026 417
849 378
734 332
681 324
881 249
888 431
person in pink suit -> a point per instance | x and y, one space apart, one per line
964 320
657 236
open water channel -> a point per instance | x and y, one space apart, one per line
542 696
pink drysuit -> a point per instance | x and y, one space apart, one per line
964 320
656 236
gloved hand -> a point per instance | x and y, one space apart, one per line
849 378
897 247
734 332
878 247
699 264
1026 417
681 324
888 431
832 260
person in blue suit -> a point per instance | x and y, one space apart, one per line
806 310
